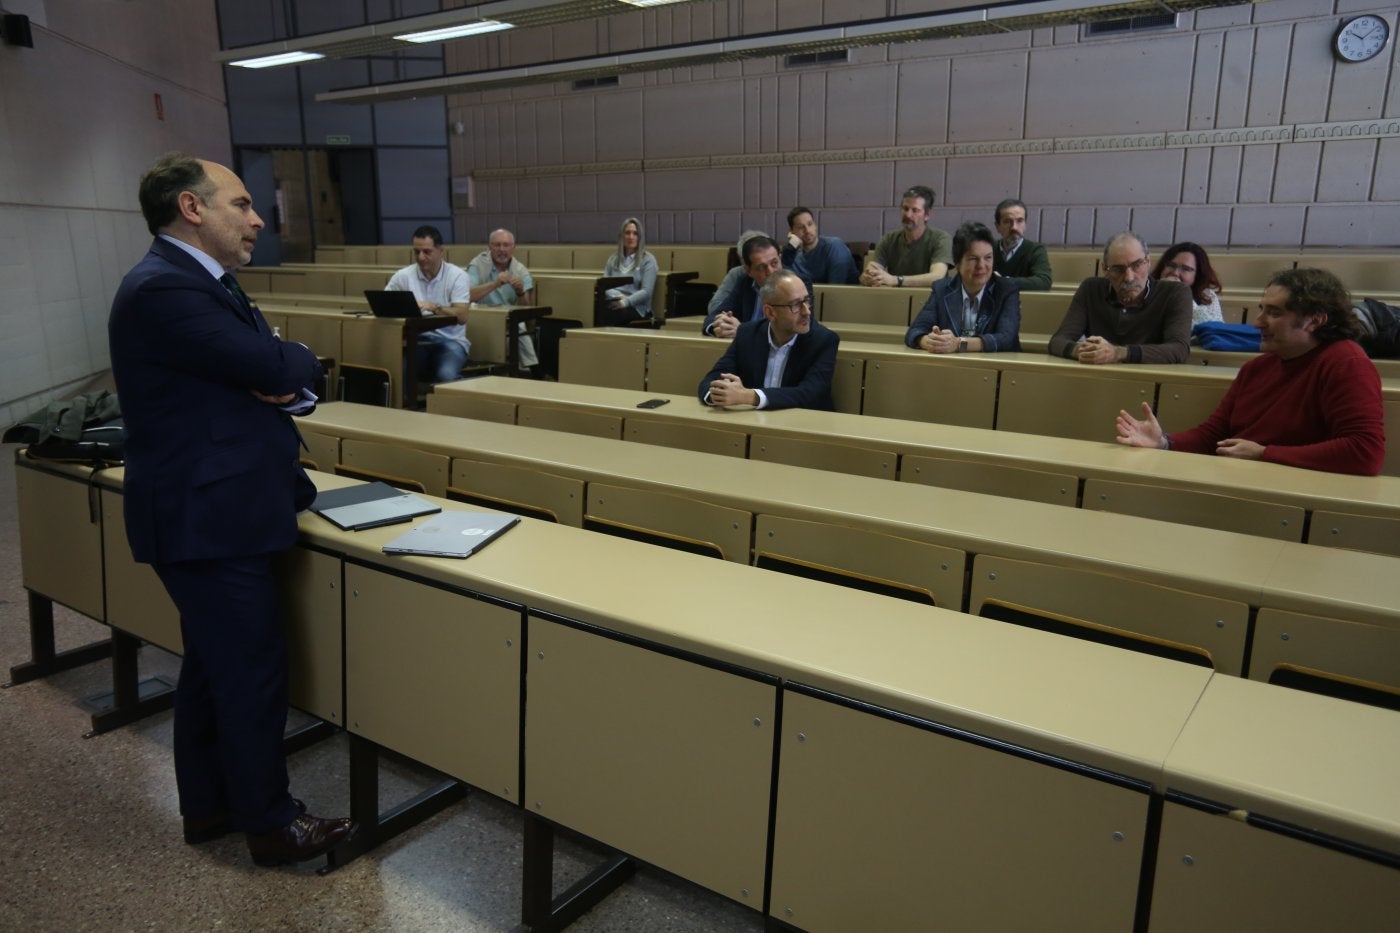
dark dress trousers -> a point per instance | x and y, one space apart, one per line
211 494
998 314
806 378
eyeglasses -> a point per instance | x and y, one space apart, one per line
1177 267
794 306
1135 267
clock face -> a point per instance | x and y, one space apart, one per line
1361 38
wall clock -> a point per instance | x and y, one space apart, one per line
1361 38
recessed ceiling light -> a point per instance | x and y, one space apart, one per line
456 32
286 58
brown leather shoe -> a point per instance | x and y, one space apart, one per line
206 829
303 838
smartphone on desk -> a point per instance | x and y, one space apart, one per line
653 403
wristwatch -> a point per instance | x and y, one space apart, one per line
962 344
899 281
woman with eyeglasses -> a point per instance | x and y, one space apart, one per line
1188 264
631 302
974 311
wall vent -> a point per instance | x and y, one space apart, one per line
803 59
1147 23
588 84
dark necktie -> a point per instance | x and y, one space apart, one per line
236 291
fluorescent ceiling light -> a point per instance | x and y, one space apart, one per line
651 2
286 58
456 32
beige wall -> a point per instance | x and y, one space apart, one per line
1209 132
78 125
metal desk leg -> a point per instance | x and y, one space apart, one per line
43 658
540 910
376 827
131 697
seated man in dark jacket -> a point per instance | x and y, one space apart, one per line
781 359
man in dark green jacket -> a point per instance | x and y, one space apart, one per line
1023 261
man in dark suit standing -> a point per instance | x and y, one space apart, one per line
783 359
211 495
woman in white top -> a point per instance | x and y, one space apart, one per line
627 303
1188 264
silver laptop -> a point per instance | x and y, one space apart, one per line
453 534
370 505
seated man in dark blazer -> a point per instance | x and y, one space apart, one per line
736 300
212 492
782 359
974 311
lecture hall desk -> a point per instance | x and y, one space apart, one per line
1025 392
1031 766
1002 462
1332 610
1040 759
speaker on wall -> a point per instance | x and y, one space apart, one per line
15 28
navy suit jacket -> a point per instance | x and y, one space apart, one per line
211 471
806 378
998 314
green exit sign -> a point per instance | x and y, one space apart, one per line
337 139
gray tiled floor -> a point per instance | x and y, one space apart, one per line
89 828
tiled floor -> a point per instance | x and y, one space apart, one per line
90 836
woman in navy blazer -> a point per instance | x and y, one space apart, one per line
941 326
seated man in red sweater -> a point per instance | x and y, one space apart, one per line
1311 399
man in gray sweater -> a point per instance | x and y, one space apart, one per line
1125 316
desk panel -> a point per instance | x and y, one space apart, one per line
574 421
1064 405
312 614
1183 405
824 455
1158 615
1215 872
60 537
1192 507
675 367
680 435
597 360
320 333
857 304
136 599
321 449
476 407
683 518
435 675
919 569
921 390
883 825
394 461
994 479
1368 655
512 484
617 748
1355 532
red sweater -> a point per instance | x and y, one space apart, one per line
1319 411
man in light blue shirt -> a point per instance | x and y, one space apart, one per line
496 277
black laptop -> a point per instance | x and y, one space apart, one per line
392 304
370 505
